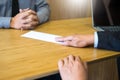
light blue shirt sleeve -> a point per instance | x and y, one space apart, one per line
39 6
95 40
5 22
43 10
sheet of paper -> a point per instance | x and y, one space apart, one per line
41 36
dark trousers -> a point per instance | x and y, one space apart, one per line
51 77
118 64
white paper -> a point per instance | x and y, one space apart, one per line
41 36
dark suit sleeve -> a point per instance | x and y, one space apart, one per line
109 40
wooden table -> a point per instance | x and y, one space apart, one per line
23 58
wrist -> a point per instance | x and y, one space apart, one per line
91 40
12 22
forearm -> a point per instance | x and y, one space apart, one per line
5 22
43 11
109 40
43 15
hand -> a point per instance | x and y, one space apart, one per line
18 21
77 40
31 21
72 68
26 19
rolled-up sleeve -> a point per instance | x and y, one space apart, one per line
43 10
5 22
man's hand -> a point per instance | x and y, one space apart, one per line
31 21
73 68
77 40
26 19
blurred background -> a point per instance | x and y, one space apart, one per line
67 9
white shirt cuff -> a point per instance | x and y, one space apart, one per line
95 40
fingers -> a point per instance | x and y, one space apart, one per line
70 60
72 68
63 39
84 64
23 10
27 10
26 19
23 15
63 63
66 60
77 58
71 42
74 41
60 63
30 22
32 12
66 41
31 18
30 25
26 13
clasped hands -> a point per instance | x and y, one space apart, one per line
25 19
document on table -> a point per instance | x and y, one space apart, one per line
41 36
